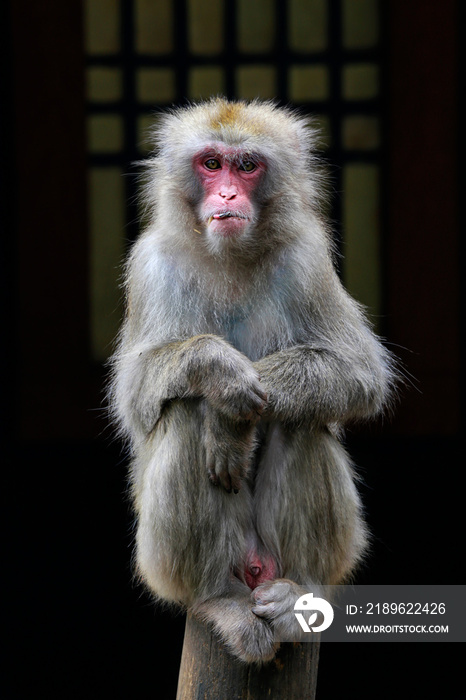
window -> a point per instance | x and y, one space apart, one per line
321 55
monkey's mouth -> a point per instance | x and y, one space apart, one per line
226 215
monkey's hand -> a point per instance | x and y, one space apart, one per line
227 379
274 601
204 366
229 446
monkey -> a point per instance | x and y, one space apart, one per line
240 360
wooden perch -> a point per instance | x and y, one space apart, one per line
209 672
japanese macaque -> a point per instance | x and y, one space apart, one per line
240 359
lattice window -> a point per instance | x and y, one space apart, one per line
320 55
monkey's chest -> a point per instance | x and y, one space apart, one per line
254 334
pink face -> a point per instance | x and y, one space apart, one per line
229 181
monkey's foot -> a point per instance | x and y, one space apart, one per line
246 635
252 640
274 601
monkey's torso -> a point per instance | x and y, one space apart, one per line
299 474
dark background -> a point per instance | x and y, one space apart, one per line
78 625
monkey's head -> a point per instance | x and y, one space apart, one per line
226 172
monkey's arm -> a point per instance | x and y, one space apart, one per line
204 366
337 371
317 385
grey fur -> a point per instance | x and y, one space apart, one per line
238 364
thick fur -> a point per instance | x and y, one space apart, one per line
238 363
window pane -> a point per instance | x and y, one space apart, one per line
308 25
205 22
145 125
205 82
324 136
360 24
102 26
361 270
156 85
360 82
361 133
256 25
104 84
308 83
255 81
106 203
105 133
154 26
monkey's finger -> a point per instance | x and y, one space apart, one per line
255 407
235 483
237 468
225 479
260 407
213 477
252 416
266 610
262 394
211 470
270 590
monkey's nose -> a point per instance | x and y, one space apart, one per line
255 571
228 192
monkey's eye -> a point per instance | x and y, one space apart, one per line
248 166
212 164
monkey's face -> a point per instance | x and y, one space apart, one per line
229 181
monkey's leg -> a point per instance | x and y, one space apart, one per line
307 506
190 532
191 536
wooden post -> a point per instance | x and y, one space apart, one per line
209 672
